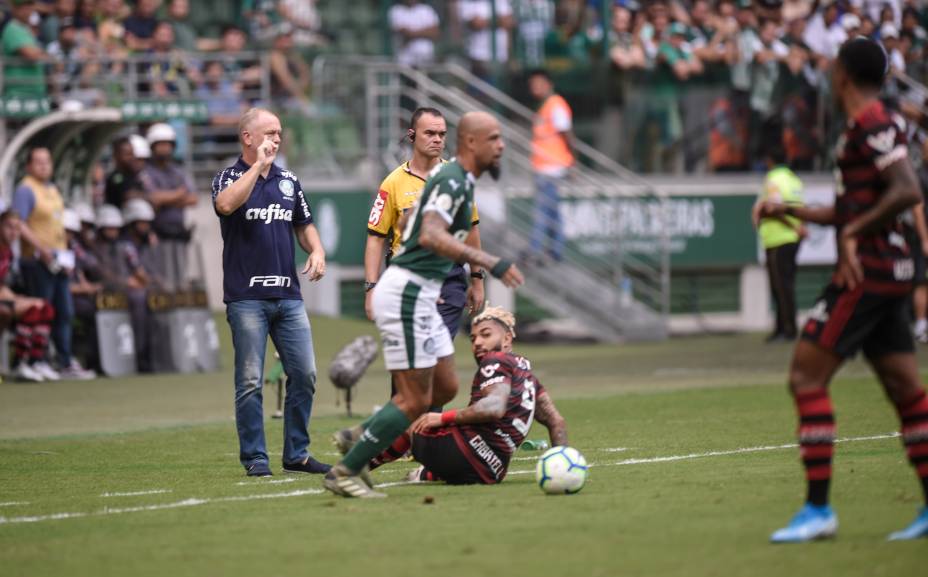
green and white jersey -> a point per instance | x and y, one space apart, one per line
449 192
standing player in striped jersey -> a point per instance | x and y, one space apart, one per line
475 444
416 344
865 305
398 193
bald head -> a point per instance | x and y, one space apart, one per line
475 124
480 143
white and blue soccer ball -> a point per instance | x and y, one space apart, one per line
561 470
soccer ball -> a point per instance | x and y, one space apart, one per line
561 470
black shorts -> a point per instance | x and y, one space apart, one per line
438 451
918 258
845 321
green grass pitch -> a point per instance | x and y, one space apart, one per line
688 440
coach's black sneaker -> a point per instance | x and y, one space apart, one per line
343 482
309 465
258 469
346 438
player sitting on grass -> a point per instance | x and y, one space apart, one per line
475 444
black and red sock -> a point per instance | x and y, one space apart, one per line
393 452
914 416
816 442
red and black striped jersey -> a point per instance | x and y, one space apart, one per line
6 261
874 140
489 446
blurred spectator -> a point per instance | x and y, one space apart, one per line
766 121
824 33
170 190
232 46
291 76
85 283
123 182
122 272
170 71
484 48
64 12
627 63
223 98
31 316
262 18
185 37
552 157
85 15
23 70
110 29
889 36
415 29
143 258
304 17
535 19
796 10
44 252
140 25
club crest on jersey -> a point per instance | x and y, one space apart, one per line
488 370
286 188
883 141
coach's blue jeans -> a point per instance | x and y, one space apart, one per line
288 326
548 231
56 289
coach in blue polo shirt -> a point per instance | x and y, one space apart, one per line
260 207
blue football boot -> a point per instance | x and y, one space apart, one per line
812 522
918 528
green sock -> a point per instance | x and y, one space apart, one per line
388 424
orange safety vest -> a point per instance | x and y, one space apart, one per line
549 148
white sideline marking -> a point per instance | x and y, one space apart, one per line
720 453
194 502
271 482
137 493
13 503
615 449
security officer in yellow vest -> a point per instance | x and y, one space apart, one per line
780 237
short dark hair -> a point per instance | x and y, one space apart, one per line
864 61
538 72
8 214
31 152
121 141
231 28
420 112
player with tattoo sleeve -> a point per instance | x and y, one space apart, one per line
476 443
417 346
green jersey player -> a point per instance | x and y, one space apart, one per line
417 347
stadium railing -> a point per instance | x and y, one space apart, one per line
588 288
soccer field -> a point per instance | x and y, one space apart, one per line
690 441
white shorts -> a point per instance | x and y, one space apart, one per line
406 312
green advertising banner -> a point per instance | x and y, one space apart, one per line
704 231
23 106
341 218
150 110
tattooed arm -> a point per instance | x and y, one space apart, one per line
546 414
435 237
